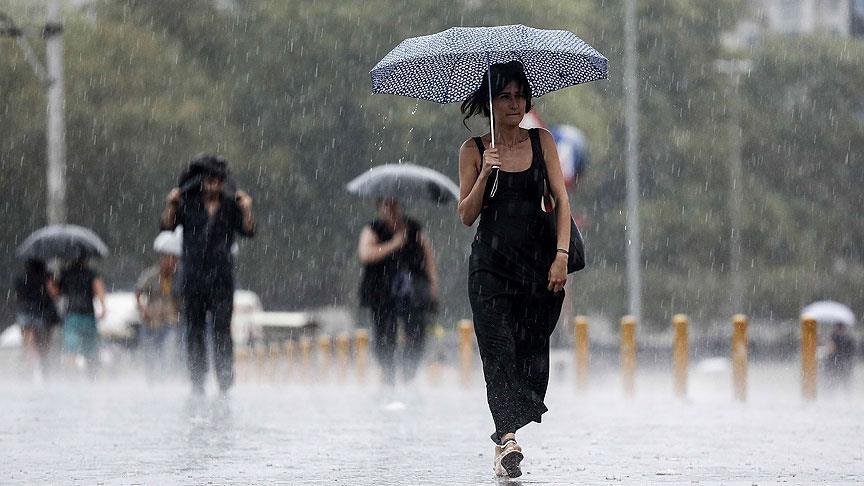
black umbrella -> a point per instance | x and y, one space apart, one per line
66 241
405 182
203 166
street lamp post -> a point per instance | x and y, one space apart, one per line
51 77
631 119
734 68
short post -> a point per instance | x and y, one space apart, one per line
435 362
343 350
808 358
289 357
465 351
580 346
241 358
272 361
739 357
361 353
628 355
260 361
305 357
323 356
680 354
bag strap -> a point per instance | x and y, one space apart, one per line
537 152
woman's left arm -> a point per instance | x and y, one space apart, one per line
431 267
558 270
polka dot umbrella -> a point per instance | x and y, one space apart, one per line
449 66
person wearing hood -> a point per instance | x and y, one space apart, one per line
211 214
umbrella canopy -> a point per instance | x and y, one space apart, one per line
449 66
405 182
830 312
66 241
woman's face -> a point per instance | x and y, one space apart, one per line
509 105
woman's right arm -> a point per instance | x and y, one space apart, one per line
370 250
472 182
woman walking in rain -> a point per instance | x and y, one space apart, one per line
518 264
35 311
400 281
80 284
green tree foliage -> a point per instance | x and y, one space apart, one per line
282 89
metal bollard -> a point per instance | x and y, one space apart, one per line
808 358
680 354
273 361
628 355
241 358
323 357
343 350
739 356
361 353
580 346
260 361
435 362
289 358
466 351
305 357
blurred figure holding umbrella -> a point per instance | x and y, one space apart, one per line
211 212
79 284
511 179
400 277
36 313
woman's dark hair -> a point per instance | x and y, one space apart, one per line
502 75
35 267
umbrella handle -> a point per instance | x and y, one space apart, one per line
491 122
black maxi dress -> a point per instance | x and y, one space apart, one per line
514 312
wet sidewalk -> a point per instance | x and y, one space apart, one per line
124 432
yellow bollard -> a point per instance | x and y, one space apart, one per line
580 346
628 355
808 358
241 358
435 362
465 351
305 357
680 354
323 357
739 356
260 361
343 349
273 361
289 358
361 353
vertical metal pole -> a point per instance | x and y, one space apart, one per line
466 351
680 354
736 193
808 358
628 355
631 118
580 325
739 356
56 172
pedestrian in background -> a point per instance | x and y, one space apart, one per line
400 282
79 284
840 360
518 264
36 313
211 214
159 310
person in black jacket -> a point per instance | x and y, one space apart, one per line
400 281
211 214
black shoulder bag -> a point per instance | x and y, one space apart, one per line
576 251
